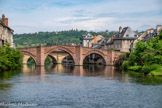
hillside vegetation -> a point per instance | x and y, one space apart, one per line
51 38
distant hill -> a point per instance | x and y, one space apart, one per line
52 38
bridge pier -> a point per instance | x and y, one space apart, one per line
40 59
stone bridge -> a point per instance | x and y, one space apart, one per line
78 53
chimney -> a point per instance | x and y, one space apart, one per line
3 18
95 39
120 29
6 21
112 37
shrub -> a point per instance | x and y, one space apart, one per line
112 49
10 58
155 66
135 68
146 69
121 55
157 72
127 55
125 65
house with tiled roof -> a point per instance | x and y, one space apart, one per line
85 39
6 33
122 40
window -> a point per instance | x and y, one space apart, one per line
125 45
116 46
135 35
119 45
127 35
125 41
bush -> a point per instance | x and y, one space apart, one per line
112 49
10 58
155 66
121 55
127 55
135 68
125 65
157 72
148 68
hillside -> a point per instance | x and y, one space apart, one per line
51 38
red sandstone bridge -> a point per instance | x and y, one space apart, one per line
78 53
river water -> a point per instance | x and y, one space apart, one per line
89 86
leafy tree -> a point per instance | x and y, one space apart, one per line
10 58
52 38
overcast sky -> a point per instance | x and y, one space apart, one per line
28 16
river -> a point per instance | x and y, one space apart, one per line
89 86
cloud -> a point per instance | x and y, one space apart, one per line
53 15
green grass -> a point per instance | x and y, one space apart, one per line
157 72
135 68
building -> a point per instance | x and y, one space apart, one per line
148 34
122 40
91 41
85 39
6 33
101 43
96 41
151 33
158 29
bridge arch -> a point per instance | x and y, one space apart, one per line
30 55
101 54
67 50
53 58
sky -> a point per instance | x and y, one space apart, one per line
29 16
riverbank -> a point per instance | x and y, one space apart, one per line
146 58
10 58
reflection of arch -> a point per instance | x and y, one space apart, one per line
30 54
95 52
62 49
67 59
53 58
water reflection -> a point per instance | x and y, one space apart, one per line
107 72
7 75
82 71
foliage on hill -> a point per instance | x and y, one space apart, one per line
146 58
10 58
52 38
